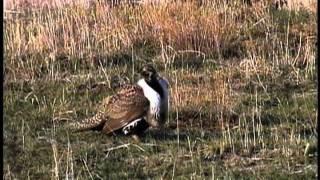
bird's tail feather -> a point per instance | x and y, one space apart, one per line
89 123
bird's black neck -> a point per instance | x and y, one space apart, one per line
155 85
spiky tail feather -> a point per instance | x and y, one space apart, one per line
89 123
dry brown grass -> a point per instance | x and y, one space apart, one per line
98 31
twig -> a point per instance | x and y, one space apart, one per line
85 164
12 12
139 147
118 147
124 146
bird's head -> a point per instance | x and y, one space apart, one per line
148 72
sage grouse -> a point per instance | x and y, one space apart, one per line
133 108
155 88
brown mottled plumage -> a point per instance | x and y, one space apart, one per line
127 105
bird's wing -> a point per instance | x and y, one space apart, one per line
128 104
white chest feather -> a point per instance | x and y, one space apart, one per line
152 96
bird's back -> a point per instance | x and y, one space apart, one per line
115 112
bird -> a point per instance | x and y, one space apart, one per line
132 109
155 88
122 113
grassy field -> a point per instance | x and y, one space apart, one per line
242 87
